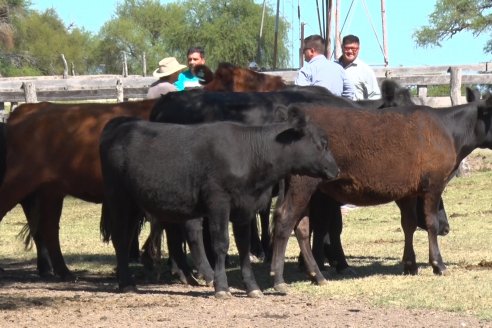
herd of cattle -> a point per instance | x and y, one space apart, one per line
220 154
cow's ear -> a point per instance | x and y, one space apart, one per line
289 136
291 114
204 74
297 117
472 94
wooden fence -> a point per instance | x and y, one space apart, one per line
119 88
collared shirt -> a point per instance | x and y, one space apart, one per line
320 71
363 79
186 80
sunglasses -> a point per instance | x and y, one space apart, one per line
351 48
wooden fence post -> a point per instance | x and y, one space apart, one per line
144 64
119 90
65 66
30 92
125 65
455 82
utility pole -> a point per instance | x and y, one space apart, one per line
275 46
328 29
385 38
338 50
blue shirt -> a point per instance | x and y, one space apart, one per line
186 80
320 71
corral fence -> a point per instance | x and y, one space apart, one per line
17 90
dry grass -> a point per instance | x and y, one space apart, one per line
373 242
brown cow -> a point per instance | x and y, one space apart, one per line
397 155
52 151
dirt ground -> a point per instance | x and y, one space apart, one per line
92 301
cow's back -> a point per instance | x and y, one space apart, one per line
59 143
384 153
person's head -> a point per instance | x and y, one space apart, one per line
195 56
168 69
350 48
313 45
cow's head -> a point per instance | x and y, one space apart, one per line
305 144
228 77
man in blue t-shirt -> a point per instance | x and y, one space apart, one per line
187 79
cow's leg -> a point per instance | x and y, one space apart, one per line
151 249
179 264
30 206
242 237
293 207
431 208
219 235
302 235
442 217
256 247
318 222
194 236
51 206
123 226
265 232
408 210
334 252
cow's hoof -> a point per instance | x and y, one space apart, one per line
209 283
223 295
255 293
128 289
322 282
439 271
192 280
411 269
281 288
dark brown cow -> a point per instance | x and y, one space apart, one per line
228 77
397 155
52 151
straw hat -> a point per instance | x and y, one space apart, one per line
168 66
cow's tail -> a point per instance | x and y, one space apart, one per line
105 224
3 150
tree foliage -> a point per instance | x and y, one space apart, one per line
32 42
227 29
453 16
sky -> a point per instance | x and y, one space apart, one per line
363 19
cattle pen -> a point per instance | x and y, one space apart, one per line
15 90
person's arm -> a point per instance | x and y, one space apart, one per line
348 86
373 91
303 77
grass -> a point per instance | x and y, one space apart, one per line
373 242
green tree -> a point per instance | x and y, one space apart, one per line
453 16
140 26
227 29
39 39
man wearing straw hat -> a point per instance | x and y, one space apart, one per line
167 73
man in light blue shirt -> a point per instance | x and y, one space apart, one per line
320 71
187 79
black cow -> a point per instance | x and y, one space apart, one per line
220 170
